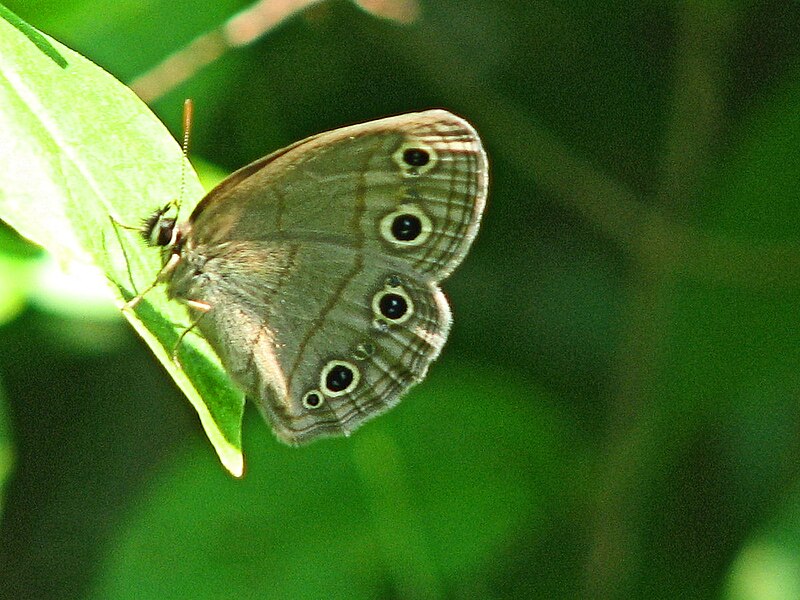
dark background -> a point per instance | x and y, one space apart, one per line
616 413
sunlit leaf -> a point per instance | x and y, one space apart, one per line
78 148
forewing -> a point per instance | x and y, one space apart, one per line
362 187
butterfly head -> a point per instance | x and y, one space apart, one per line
159 229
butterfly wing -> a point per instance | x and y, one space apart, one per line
321 265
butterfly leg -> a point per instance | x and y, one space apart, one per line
203 309
117 224
165 271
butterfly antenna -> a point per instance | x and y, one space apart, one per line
188 114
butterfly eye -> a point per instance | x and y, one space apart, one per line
162 234
406 226
312 399
158 230
339 378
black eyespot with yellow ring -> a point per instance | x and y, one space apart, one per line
338 377
415 157
392 305
313 399
406 226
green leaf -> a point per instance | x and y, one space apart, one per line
78 147
34 36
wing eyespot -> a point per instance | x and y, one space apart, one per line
338 378
392 305
407 226
313 399
415 157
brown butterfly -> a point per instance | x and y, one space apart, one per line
314 272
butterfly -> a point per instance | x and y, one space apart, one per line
314 272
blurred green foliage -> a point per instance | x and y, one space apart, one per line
616 413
